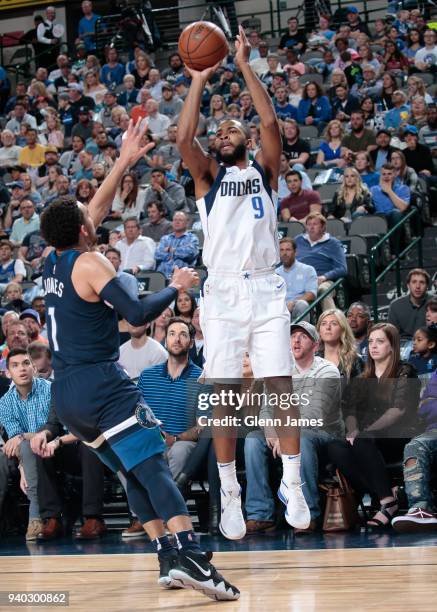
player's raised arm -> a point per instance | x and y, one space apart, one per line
97 278
130 152
199 163
271 144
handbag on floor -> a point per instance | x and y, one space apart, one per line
341 511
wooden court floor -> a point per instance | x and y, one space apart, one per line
383 579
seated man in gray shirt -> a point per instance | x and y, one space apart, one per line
317 383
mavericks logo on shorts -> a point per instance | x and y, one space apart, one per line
145 417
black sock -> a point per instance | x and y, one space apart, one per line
187 540
163 546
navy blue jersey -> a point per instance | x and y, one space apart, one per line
79 332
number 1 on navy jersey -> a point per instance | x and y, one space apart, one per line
258 207
54 330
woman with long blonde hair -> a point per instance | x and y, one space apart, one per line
217 112
416 87
352 199
93 88
337 343
331 152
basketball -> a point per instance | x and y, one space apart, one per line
202 44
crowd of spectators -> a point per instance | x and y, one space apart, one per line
351 97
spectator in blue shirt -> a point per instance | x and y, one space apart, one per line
87 25
324 253
171 390
398 115
23 411
300 279
180 248
391 198
113 72
314 108
283 108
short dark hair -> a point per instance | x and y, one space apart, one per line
388 166
160 169
418 272
431 304
289 240
36 348
61 223
293 173
159 206
131 219
14 353
113 250
172 320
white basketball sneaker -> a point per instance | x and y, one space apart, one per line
297 513
232 524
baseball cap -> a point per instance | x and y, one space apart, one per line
167 86
309 329
355 55
84 110
30 313
352 9
181 81
411 129
109 143
51 149
19 184
75 86
230 67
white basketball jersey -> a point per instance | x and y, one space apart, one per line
239 221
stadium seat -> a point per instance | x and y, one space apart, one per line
427 77
113 224
311 55
368 224
290 230
336 228
308 131
312 76
327 191
357 261
150 281
200 236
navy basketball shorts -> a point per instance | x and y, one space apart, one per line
100 405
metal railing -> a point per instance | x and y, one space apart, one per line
396 263
311 310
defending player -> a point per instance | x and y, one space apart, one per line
94 398
243 300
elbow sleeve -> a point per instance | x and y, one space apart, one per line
135 311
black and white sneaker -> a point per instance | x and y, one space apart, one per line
165 565
193 570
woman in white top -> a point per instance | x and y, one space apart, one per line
93 87
295 89
129 199
217 113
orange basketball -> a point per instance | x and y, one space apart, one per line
202 44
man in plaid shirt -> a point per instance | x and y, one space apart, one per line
23 411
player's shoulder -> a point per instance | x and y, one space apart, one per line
92 258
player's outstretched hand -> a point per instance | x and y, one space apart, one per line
184 278
131 144
242 47
203 75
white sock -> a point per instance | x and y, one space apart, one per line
228 478
291 468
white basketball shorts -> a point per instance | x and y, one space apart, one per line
245 312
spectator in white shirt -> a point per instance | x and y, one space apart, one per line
129 200
157 122
140 351
426 58
20 116
28 222
137 252
9 151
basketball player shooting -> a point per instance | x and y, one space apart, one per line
94 398
243 299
